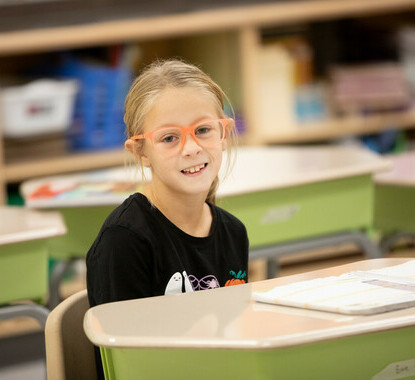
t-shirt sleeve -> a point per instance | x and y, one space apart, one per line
118 267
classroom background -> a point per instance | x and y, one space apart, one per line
300 74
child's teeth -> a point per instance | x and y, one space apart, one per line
194 169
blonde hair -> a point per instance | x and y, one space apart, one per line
171 73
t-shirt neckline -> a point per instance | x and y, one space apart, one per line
179 231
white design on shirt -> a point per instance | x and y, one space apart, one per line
187 284
174 286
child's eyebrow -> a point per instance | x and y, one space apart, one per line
198 120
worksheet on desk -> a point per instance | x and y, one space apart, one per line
357 292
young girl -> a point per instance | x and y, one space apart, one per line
170 238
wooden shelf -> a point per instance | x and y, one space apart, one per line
226 18
16 172
342 127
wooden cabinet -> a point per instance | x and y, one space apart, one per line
225 40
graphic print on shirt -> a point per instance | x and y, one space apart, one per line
179 284
207 282
175 284
187 285
238 278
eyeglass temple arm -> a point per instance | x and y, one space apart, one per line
138 137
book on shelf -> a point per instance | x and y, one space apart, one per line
356 292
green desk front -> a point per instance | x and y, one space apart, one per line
395 195
303 211
394 208
24 236
224 334
23 271
357 357
394 214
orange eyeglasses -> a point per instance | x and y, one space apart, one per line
170 140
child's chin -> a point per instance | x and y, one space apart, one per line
198 190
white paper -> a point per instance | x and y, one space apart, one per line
359 292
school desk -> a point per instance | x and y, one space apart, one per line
294 199
395 200
224 334
291 199
24 260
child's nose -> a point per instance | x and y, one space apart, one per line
190 145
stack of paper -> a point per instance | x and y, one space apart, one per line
359 292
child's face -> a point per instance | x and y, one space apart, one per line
193 169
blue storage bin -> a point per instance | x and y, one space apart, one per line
99 107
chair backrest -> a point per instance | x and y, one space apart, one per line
69 353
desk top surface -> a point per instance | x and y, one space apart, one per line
229 318
266 168
18 224
402 172
254 169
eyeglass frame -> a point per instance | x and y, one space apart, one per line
190 130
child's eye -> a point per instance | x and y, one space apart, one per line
203 129
169 139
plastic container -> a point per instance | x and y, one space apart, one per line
41 107
99 109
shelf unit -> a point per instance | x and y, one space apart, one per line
16 172
347 126
244 23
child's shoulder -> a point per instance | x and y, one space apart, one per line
226 217
133 214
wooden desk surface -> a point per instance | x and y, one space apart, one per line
255 169
229 318
18 225
402 172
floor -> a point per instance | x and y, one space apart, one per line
22 348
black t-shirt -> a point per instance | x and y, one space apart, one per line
140 253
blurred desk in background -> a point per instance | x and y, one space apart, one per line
395 200
24 260
294 199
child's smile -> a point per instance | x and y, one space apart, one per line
194 170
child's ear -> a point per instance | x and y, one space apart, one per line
229 127
137 151
131 146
